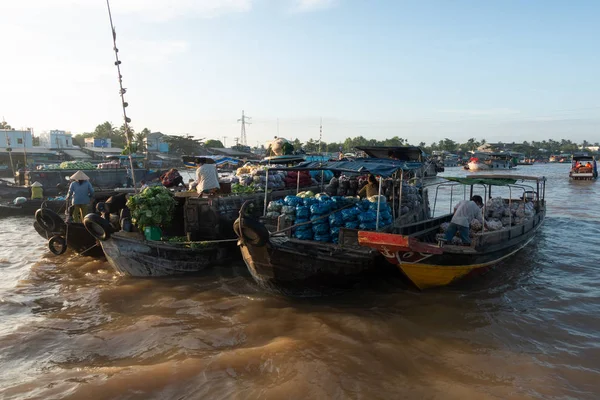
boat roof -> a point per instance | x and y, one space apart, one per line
494 180
404 153
580 157
282 159
375 166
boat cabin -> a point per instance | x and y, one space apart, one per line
583 167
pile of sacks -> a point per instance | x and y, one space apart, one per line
320 224
256 176
345 186
499 215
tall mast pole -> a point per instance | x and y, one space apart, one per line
122 93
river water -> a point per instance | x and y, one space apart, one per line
72 329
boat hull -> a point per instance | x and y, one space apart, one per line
293 268
583 176
30 207
477 166
129 254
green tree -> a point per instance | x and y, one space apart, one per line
5 125
179 144
297 144
214 143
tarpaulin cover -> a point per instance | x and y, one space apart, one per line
375 166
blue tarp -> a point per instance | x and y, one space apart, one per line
375 166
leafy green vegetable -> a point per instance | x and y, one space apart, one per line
241 189
154 206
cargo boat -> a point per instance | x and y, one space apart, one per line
583 167
428 263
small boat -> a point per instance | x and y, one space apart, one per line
299 267
129 253
491 161
416 250
29 207
583 167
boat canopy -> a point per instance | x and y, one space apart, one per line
494 180
190 161
403 153
375 166
583 158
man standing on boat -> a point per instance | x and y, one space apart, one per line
80 194
465 212
207 178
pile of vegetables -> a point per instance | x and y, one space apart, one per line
236 188
154 206
77 165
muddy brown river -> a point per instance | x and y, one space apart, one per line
70 328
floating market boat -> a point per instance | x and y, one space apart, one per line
427 263
299 267
491 161
206 224
29 207
414 156
583 167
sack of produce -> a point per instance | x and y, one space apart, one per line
350 214
336 219
325 237
275 206
320 229
376 198
363 205
334 183
367 216
476 225
367 226
292 201
272 214
334 232
288 210
302 212
322 197
320 208
351 224
341 192
309 201
444 227
494 225
385 215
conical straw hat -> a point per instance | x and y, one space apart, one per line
36 184
79 176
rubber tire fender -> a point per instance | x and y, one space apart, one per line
48 219
251 231
97 226
57 240
41 231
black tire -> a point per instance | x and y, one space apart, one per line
57 245
97 226
41 231
251 231
48 220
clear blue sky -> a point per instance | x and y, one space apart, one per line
422 70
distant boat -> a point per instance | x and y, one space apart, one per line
583 167
491 161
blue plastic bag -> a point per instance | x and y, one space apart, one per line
292 201
304 235
351 224
336 219
350 214
367 226
322 238
334 231
309 201
363 205
367 216
320 208
302 212
321 229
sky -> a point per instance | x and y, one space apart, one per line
508 70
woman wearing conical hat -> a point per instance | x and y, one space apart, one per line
37 191
80 194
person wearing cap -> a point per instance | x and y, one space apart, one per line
37 191
207 178
80 194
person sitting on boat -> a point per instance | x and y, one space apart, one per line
207 178
370 189
80 193
37 191
465 212
171 178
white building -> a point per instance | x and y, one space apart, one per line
15 139
57 139
99 143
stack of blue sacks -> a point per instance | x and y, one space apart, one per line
311 211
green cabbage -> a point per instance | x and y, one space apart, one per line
154 206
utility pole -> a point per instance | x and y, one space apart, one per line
244 123
225 141
320 135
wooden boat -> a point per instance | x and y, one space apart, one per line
30 206
297 267
491 161
415 250
68 235
130 254
583 167
206 222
